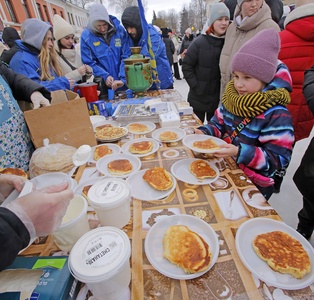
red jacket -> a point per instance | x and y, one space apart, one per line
297 52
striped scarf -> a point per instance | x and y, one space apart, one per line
254 104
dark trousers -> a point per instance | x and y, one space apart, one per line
304 180
176 70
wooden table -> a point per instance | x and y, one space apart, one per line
229 273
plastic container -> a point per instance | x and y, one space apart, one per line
110 198
74 224
100 259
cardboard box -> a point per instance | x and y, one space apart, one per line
56 282
66 121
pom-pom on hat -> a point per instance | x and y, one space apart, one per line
258 57
61 28
216 11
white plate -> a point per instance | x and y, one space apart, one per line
253 202
115 139
141 190
96 119
154 244
102 164
125 147
151 126
190 139
53 178
244 237
181 171
180 132
114 147
104 122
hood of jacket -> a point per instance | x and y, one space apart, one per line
301 22
33 32
10 35
97 12
131 18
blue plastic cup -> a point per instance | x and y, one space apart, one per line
110 94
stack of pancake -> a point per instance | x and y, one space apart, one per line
120 167
168 136
158 178
138 127
201 169
282 253
110 132
186 249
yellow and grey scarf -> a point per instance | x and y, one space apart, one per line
254 104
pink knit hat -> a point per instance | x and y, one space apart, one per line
258 57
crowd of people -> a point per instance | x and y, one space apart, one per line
245 75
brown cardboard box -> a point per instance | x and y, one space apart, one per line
66 121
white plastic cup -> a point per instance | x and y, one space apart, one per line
101 260
74 224
110 198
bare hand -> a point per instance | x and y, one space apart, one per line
117 84
109 81
82 70
227 150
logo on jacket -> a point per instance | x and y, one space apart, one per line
117 42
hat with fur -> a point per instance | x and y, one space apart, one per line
216 11
61 28
33 32
258 57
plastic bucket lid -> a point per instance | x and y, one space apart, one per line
99 254
109 193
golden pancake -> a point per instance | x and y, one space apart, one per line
138 127
201 169
168 136
206 144
158 178
141 147
13 171
282 253
101 151
120 167
110 132
186 249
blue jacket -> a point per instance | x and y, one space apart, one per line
105 59
25 61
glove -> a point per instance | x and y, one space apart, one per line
42 211
39 100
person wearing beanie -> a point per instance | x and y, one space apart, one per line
36 57
297 51
170 49
101 45
201 63
186 42
69 59
253 118
133 19
10 35
250 17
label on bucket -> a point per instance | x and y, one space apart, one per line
103 250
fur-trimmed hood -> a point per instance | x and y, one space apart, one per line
299 13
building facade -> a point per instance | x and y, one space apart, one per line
14 12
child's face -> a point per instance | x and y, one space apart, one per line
220 26
246 84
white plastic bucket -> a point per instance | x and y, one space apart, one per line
74 224
100 259
110 197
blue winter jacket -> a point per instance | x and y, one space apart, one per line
103 58
159 49
25 61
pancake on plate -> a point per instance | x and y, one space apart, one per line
208 144
141 147
101 151
103 126
85 190
168 136
13 171
138 127
120 167
282 253
110 132
201 169
158 178
186 249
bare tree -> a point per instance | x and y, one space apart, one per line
121 5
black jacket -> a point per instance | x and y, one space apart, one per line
13 237
201 71
186 42
169 49
8 54
308 88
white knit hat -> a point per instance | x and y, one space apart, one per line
61 28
